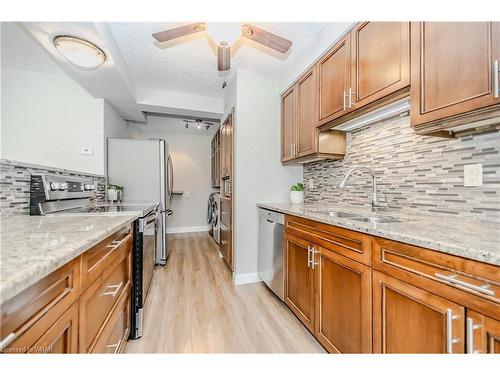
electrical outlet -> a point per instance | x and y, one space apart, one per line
187 194
86 150
311 184
473 175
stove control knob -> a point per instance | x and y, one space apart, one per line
54 186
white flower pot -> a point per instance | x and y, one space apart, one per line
112 195
296 197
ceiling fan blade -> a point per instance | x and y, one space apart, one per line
266 38
223 58
166 35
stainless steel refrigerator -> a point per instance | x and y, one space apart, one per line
144 168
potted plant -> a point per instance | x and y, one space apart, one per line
115 192
297 193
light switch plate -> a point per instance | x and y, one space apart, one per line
86 150
311 183
473 175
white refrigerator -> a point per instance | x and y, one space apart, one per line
144 168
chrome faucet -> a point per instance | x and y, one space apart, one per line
343 183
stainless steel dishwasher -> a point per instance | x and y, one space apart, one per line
271 247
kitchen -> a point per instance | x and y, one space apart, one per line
319 188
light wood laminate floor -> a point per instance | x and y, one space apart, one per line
193 307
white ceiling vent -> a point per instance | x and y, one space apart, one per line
390 110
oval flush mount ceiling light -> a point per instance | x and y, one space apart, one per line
79 52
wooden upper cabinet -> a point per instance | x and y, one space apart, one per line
306 113
299 280
334 81
407 319
483 334
452 69
288 117
343 307
380 60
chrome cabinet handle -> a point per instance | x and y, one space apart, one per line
223 242
115 346
291 149
495 79
484 289
344 101
116 288
313 253
308 256
350 97
9 339
449 331
470 335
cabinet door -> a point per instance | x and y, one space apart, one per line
334 81
407 319
288 117
62 337
306 113
381 60
343 308
483 334
299 282
452 68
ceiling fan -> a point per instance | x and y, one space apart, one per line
201 123
225 35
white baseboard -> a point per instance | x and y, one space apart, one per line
199 228
246 278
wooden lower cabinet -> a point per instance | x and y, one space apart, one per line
63 314
299 280
62 337
483 334
407 319
343 305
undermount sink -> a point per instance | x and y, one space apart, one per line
359 217
377 219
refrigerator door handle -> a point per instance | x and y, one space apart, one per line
170 177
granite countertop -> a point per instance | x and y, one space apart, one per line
466 238
34 246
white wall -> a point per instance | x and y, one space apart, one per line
259 175
190 152
47 117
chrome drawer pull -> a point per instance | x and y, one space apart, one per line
7 341
485 289
116 288
470 335
308 256
495 79
115 346
449 331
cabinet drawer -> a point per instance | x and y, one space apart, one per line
348 243
115 333
102 255
42 303
100 298
451 276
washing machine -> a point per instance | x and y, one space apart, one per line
213 215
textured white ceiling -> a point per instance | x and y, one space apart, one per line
189 64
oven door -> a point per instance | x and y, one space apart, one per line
149 229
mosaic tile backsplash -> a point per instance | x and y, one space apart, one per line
15 185
416 173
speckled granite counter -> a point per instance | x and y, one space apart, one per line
34 246
466 238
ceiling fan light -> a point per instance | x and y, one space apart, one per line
81 53
220 32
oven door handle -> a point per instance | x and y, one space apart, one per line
144 223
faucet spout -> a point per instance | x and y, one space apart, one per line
342 184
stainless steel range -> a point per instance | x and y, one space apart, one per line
52 194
